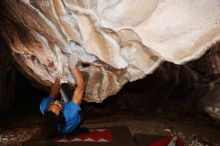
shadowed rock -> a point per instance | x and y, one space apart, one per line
117 41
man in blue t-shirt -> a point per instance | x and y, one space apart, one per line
65 115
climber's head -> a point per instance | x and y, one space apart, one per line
54 113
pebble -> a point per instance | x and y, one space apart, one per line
216 110
167 130
5 139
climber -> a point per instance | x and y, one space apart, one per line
66 115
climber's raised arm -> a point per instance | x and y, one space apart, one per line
80 84
54 92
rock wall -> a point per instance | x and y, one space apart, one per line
118 41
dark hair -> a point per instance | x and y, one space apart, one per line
53 119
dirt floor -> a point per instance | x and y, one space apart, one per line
141 109
196 129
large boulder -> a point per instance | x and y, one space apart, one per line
117 41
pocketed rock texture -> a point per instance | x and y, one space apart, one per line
117 41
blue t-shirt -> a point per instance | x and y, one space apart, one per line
70 111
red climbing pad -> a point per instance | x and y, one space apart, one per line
113 136
153 140
96 135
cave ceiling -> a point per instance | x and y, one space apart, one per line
117 41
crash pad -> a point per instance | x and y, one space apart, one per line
155 140
107 136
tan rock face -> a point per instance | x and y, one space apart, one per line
117 41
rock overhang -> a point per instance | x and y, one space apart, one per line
117 41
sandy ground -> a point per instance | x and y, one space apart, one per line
141 109
21 124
